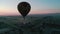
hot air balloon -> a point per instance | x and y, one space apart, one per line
24 8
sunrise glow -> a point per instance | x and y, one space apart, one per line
9 7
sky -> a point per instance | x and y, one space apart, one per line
9 7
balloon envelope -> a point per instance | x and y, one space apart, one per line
24 8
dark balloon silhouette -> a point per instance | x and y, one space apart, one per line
24 8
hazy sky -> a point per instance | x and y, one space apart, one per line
9 7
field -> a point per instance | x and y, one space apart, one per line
33 24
